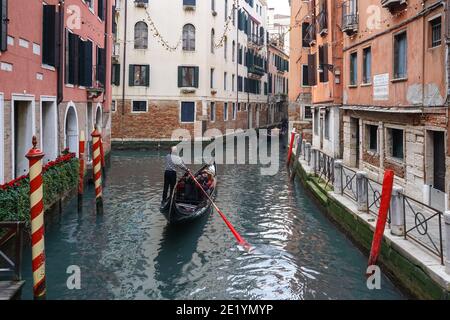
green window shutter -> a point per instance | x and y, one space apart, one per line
196 75
131 76
147 76
180 77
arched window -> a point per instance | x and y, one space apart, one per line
140 35
212 40
233 51
189 37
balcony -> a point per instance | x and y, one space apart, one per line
256 70
323 22
256 40
393 5
141 3
349 17
311 35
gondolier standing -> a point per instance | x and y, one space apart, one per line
173 162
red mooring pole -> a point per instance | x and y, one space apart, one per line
97 168
291 146
34 157
82 147
386 194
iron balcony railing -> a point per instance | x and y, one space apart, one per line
349 17
256 39
323 22
311 34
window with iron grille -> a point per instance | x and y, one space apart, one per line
189 37
436 33
308 112
140 35
372 139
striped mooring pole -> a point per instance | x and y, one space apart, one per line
34 157
82 147
97 168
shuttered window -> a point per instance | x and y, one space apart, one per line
188 77
3 25
101 9
84 63
71 56
101 65
115 75
139 75
323 61
49 36
312 69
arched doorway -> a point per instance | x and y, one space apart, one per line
71 129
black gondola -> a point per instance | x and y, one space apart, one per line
188 202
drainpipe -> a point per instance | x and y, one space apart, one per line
60 75
124 67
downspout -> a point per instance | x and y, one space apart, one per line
60 75
124 67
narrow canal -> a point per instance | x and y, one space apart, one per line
131 253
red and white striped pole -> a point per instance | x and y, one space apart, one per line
97 168
34 157
82 147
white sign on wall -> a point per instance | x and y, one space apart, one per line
381 86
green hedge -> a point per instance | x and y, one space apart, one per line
58 179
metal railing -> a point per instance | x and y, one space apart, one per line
423 225
324 167
348 179
311 34
349 17
11 254
374 190
323 22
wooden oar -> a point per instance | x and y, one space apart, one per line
238 237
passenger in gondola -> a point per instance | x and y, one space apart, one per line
173 162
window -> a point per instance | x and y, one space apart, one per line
312 69
234 111
101 66
308 112
395 143
140 35
113 106
78 63
233 51
316 122
225 80
225 111
400 56
188 77
305 40
189 37
139 75
213 112
436 33
233 80
49 36
101 9
353 68
367 65
212 41
3 25
189 2
323 60
139 106
305 76
187 112
327 125
225 49
115 74
212 78
372 138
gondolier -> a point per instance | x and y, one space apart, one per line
173 162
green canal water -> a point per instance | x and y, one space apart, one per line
131 253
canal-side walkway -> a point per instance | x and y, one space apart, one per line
417 264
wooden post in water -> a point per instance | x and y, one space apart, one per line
34 157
